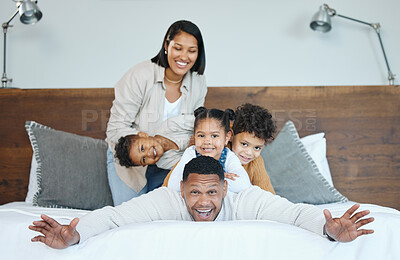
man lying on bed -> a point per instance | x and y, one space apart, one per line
203 197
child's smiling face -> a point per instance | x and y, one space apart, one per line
210 137
145 150
247 146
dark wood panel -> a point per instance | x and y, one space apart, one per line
14 172
362 126
383 191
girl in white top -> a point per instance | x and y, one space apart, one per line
211 135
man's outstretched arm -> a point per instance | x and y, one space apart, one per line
54 234
160 204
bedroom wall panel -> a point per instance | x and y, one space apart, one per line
361 123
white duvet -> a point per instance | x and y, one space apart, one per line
192 240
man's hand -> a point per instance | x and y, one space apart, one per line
55 235
346 228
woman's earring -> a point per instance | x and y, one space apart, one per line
165 52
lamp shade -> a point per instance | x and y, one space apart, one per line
29 12
321 21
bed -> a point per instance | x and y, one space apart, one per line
361 133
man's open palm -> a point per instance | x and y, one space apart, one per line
55 235
347 228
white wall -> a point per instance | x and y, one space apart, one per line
92 43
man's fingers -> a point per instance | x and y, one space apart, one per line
359 215
36 228
74 223
50 221
351 211
363 222
43 230
364 232
38 239
42 224
328 215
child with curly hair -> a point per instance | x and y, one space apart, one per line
252 129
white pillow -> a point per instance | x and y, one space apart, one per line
315 145
33 182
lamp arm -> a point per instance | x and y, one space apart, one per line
391 76
9 21
355 20
376 27
5 26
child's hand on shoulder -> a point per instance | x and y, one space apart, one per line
231 176
191 141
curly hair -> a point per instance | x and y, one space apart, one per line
255 120
122 150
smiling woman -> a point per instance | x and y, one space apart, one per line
170 85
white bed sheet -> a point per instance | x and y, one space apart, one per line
191 240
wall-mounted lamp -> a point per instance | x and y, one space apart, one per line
30 14
321 22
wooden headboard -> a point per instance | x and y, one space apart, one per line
362 126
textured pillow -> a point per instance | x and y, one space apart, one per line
71 169
315 145
293 173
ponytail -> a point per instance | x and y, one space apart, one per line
229 115
199 111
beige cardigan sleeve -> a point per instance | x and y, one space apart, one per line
129 94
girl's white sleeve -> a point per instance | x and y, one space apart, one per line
174 181
233 165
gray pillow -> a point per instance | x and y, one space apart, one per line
293 173
72 169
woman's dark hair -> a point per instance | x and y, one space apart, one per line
122 150
224 117
187 27
255 120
